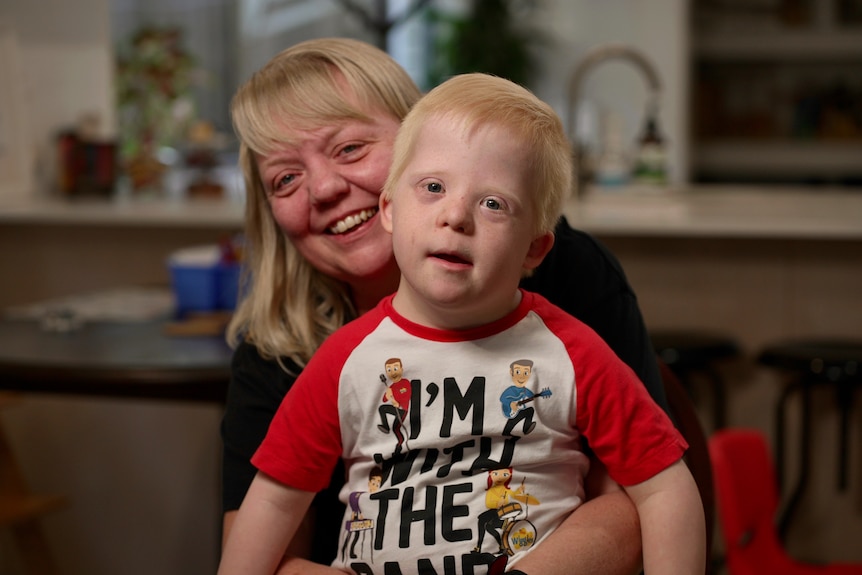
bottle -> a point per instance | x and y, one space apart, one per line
651 155
612 165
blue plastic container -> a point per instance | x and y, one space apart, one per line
202 281
227 285
195 288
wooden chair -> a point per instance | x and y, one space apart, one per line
20 510
747 493
697 457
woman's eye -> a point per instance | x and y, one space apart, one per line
434 187
349 149
282 185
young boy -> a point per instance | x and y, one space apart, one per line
480 169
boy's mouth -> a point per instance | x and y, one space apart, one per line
351 221
452 258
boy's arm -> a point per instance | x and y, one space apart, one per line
267 520
672 522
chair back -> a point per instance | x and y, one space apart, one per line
747 495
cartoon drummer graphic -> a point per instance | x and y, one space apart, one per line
506 516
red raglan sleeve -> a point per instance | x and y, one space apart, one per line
303 443
624 427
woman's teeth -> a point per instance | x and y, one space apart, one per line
352 221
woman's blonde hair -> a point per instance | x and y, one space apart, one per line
481 100
289 307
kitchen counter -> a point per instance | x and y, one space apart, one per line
198 213
720 212
693 211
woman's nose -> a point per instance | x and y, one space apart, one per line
326 185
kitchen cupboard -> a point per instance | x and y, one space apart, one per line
777 91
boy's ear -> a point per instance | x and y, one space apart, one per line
385 212
539 248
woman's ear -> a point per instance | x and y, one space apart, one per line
385 206
539 248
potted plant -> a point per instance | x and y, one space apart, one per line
491 37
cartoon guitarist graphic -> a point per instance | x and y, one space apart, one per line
515 397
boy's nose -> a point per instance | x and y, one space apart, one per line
456 214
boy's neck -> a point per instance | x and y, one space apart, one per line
453 316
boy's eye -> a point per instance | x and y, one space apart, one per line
492 204
434 187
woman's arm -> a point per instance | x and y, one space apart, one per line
601 537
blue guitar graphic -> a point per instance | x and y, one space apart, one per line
521 403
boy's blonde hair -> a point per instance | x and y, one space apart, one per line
481 100
290 307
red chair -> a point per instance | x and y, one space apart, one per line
747 494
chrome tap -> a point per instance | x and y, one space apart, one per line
593 57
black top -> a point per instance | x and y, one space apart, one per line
579 275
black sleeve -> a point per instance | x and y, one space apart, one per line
256 389
584 278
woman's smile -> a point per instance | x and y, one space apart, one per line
350 222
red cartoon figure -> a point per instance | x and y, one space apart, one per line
396 401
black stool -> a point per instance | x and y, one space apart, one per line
809 364
688 353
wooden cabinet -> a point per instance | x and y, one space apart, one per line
777 91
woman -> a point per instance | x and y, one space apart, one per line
316 127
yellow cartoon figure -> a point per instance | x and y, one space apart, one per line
503 518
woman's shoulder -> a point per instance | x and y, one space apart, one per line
251 370
578 271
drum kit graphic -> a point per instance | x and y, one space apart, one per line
518 532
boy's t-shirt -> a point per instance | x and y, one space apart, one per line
482 455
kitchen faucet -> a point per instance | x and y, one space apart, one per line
593 57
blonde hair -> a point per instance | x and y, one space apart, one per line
290 307
479 100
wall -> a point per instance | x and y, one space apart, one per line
67 62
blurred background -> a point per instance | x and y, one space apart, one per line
743 93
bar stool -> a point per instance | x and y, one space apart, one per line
689 353
807 364
20 509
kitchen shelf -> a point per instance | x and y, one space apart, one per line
776 91
802 160
794 46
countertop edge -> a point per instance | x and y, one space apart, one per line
684 211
